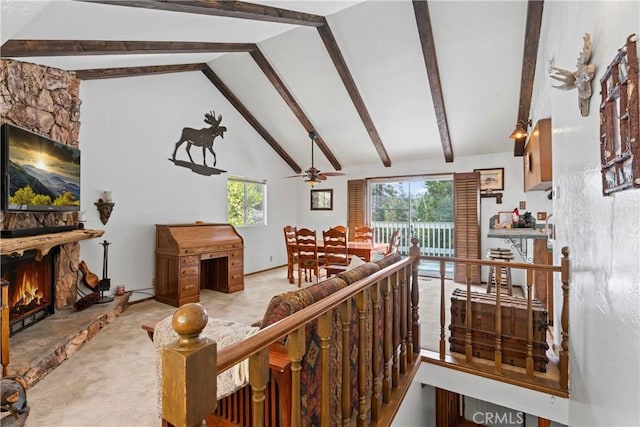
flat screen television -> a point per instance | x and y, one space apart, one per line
38 173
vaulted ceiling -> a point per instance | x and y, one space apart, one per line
378 81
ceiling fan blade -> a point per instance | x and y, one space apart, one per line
332 173
295 176
321 177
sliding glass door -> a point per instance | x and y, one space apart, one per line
421 207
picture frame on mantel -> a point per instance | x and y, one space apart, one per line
322 200
491 180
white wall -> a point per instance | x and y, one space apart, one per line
603 233
513 191
128 133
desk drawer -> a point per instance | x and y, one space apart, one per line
189 271
189 286
236 263
214 254
189 260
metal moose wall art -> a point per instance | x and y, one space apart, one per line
204 138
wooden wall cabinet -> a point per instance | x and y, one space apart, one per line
190 257
537 158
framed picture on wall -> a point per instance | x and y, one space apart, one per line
491 179
322 200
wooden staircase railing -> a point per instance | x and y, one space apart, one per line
531 377
390 297
388 366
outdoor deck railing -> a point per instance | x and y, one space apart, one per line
434 238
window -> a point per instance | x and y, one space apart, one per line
246 201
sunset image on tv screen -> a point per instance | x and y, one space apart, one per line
42 173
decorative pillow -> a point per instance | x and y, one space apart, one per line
224 333
388 260
288 303
360 272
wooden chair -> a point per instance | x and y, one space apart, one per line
292 249
340 228
308 258
336 259
394 242
363 233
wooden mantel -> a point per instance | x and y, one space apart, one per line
16 246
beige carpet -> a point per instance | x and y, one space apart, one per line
111 380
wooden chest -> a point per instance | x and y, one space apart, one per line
514 328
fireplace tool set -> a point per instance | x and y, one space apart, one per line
98 286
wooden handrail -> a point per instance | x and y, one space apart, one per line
229 356
398 309
392 293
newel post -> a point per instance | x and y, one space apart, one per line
414 253
189 370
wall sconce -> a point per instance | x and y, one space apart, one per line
105 207
521 130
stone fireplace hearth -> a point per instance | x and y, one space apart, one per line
42 346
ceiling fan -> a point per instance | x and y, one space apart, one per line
313 176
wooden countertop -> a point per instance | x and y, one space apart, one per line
517 233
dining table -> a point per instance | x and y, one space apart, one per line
364 250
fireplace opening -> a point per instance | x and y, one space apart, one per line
31 294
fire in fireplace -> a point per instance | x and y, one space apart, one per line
31 296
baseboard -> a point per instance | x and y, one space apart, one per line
265 270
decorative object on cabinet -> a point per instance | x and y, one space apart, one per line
105 206
322 200
537 158
581 78
505 219
619 124
204 138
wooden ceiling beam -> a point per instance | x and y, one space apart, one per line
231 9
291 102
27 48
347 79
529 60
250 118
110 73
423 20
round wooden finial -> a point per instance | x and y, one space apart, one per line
188 321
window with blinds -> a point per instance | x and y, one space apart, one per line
466 187
357 201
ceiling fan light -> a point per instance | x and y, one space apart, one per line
311 182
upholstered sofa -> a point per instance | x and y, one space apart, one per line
287 303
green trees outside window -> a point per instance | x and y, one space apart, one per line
246 202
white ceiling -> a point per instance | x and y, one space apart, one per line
479 47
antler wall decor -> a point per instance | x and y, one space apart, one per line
581 78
